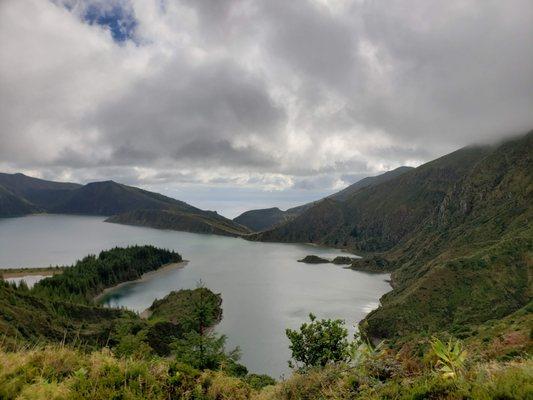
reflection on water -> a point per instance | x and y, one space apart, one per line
264 289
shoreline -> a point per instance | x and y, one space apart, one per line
7 273
143 278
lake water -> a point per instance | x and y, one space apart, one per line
264 289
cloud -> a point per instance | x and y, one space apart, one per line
302 94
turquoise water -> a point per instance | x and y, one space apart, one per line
264 289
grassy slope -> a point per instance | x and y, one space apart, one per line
177 306
63 373
473 259
376 218
110 198
31 319
456 230
261 219
39 192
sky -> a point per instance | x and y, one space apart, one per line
239 104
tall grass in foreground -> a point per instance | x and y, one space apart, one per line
60 372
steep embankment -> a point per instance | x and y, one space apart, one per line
376 218
472 260
456 231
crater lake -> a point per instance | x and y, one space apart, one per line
264 288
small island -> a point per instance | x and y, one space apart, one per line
312 259
344 260
339 260
373 264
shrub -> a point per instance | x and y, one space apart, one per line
318 343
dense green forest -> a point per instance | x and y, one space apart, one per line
89 276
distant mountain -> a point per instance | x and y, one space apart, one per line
22 195
456 232
111 198
268 218
262 219
39 192
369 181
198 222
376 217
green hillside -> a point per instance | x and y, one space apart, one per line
11 205
110 198
54 348
268 218
261 219
456 232
472 260
378 217
197 222
39 192
125 204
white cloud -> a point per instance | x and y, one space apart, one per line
259 94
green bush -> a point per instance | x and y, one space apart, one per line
318 343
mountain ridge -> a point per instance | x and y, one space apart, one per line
455 232
27 195
267 218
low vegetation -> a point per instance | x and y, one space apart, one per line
353 370
56 343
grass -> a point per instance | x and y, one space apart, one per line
62 372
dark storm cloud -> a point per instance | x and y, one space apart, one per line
267 94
